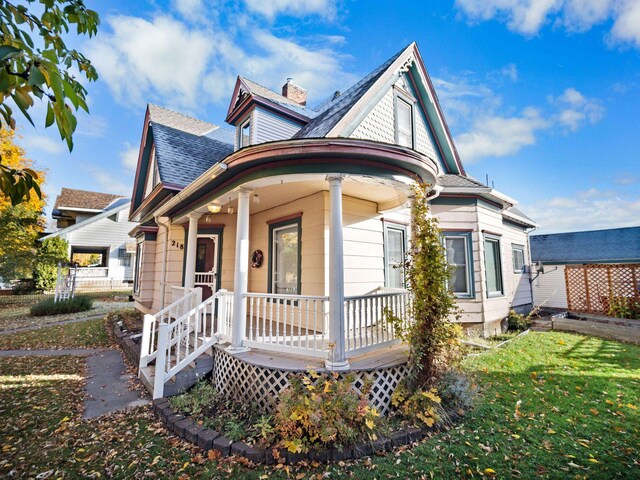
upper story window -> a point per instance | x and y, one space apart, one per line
404 123
244 136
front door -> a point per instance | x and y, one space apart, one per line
207 264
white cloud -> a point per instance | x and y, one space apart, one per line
528 17
189 8
129 157
91 126
576 109
588 210
43 144
497 136
108 182
326 9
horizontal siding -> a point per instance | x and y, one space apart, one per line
270 127
550 289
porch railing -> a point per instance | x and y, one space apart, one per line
293 323
366 327
93 272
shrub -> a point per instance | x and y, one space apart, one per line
624 307
457 391
321 409
72 305
197 400
423 405
50 252
517 321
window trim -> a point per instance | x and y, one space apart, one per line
297 221
496 239
514 247
137 267
466 235
387 225
398 96
243 124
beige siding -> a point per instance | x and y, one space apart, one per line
147 273
550 289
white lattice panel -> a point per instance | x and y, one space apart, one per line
262 385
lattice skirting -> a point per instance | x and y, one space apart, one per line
245 382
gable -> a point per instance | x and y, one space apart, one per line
379 124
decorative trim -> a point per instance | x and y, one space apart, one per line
285 218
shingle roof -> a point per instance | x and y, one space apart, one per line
179 121
454 180
260 91
333 111
72 198
521 214
598 246
182 157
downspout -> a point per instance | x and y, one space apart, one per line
530 264
164 222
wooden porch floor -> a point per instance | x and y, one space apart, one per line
385 357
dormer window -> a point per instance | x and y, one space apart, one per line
244 137
404 123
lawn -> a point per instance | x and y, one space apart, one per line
554 405
87 334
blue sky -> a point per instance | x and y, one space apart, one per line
541 95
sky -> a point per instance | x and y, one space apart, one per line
543 96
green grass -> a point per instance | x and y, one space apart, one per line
553 432
86 334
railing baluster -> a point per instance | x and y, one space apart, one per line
251 304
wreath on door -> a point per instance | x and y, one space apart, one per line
257 257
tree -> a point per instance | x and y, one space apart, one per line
28 71
51 251
20 225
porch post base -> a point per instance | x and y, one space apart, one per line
231 350
337 366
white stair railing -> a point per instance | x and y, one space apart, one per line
186 338
149 339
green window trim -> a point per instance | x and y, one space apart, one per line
273 227
470 279
514 255
387 267
493 241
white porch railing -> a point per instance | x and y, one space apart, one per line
293 323
366 327
175 344
205 278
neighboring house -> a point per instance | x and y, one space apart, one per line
97 226
302 215
602 262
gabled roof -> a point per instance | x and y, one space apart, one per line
263 92
597 246
70 198
179 121
332 112
112 210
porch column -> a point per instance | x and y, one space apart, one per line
192 245
241 275
337 358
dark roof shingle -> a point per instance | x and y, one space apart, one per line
72 198
598 246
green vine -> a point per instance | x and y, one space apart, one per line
434 340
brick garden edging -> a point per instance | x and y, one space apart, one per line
124 340
184 427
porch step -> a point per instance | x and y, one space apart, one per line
184 379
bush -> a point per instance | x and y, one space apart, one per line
322 409
457 391
423 405
197 400
624 307
72 305
50 252
517 321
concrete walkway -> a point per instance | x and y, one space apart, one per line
107 385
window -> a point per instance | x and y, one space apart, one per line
395 249
493 266
457 248
404 123
518 258
124 257
284 258
138 269
245 134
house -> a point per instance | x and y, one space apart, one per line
584 270
97 226
295 224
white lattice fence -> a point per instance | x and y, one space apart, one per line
261 386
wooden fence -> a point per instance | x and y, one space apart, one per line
592 288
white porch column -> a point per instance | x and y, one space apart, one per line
337 359
241 275
192 243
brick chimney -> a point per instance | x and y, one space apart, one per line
294 93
